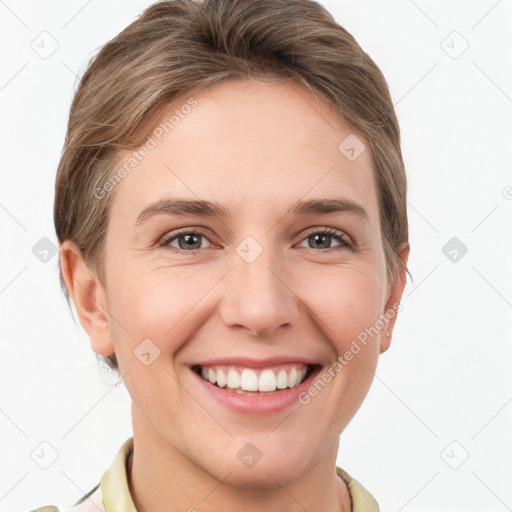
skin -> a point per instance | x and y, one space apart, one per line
257 148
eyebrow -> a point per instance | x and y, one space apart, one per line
213 209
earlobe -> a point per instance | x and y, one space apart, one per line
396 290
88 296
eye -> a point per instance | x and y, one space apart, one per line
189 241
324 236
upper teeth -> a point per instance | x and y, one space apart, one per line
249 380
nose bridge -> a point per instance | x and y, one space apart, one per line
258 298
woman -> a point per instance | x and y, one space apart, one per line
231 211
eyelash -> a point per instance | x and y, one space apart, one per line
338 235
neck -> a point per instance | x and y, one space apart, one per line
162 478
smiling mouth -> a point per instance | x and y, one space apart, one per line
253 381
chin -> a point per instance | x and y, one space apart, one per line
260 477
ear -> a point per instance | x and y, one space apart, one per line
395 291
88 296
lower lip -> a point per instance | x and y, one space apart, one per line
257 404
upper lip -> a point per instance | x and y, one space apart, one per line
248 362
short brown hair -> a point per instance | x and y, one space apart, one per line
181 47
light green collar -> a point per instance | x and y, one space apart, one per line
114 482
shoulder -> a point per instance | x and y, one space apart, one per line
112 488
91 502
47 508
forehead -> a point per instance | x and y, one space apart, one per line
252 145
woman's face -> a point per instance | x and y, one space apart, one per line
252 296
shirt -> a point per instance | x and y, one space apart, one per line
112 493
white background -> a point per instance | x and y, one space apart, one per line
447 375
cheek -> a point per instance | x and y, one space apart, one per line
162 304
146 305
165 305
348 304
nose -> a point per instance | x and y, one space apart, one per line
257 297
